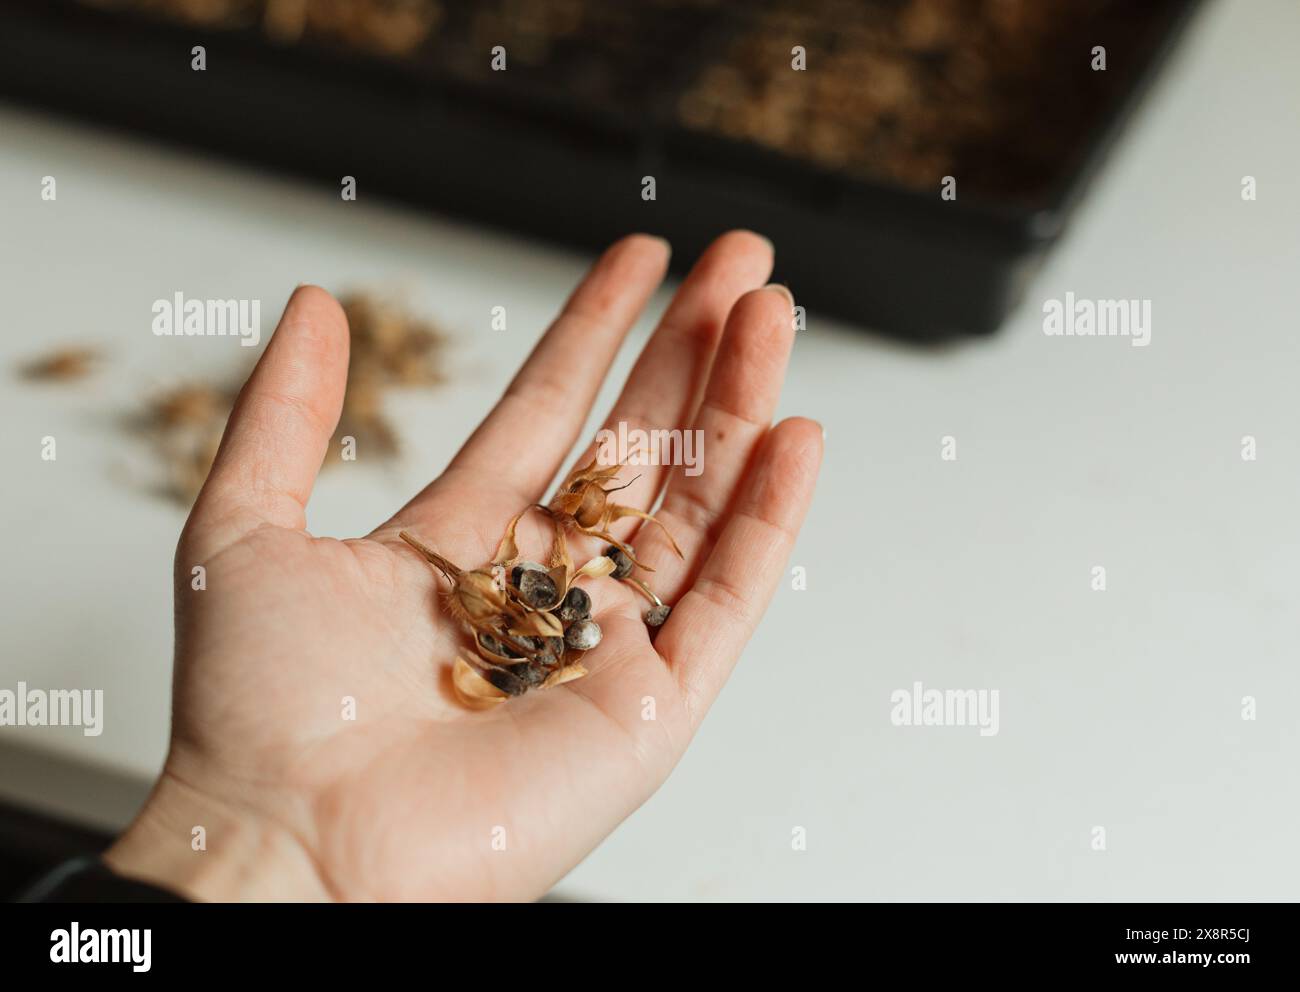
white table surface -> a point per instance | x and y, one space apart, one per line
1119 709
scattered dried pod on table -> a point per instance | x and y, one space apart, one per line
388 348
184 425
63 365
195 404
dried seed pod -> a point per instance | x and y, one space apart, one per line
477 601
583 635
583 503
508 606
623 563
478 597
582 496
576 606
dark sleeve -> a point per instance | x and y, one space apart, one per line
90 880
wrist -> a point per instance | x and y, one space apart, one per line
209 851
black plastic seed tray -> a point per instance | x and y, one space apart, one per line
841 163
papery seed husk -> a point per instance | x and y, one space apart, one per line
559 576
472 689
537 624
605 535
598 567
497 651
491 644
583 635
593 471
560 556
479 597
507 550
566 674
619 512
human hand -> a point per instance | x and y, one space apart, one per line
419 798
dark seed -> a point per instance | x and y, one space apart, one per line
525 643
622 563
497 647
656 615
552 650
532 674
583 635
537 589
576 606
517 573
506 681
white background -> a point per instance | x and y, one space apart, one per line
1119 709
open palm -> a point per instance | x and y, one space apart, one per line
317 741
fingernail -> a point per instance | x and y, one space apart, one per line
668 246
782 289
